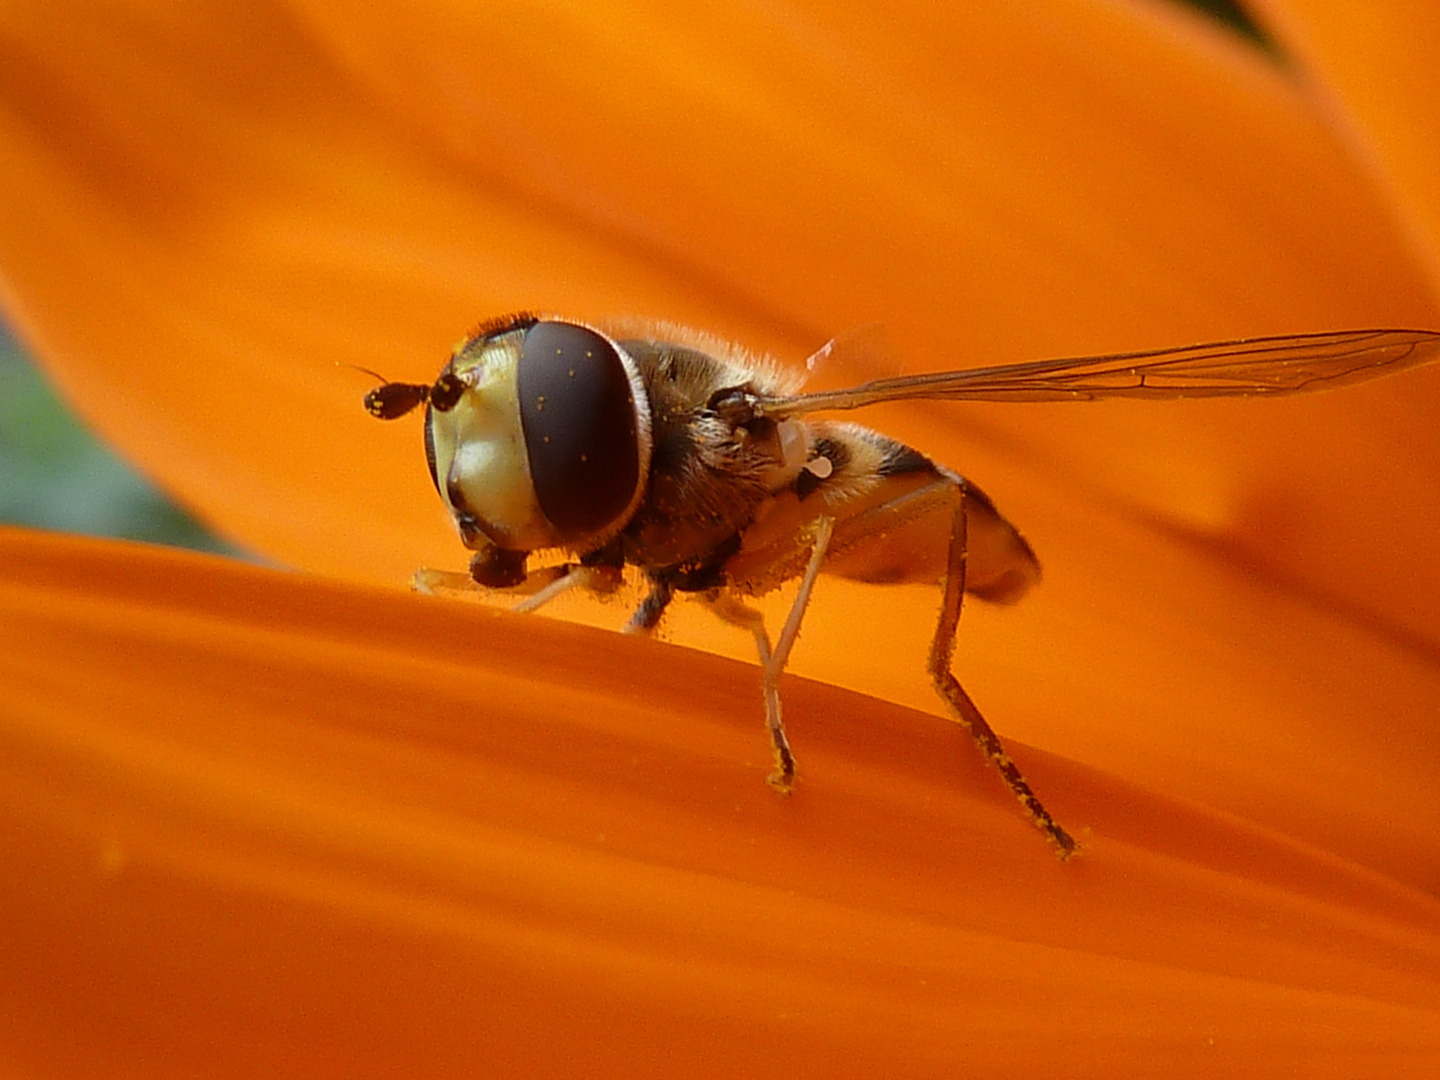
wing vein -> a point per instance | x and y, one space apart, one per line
1246 367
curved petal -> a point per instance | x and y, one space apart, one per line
1371 69
1057 176
287 825
250 198
211 208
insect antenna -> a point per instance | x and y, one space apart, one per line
394 399
391 400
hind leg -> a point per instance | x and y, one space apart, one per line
942 652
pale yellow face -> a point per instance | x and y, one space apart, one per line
480 458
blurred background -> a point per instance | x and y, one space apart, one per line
54 475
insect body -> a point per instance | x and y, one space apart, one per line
681 456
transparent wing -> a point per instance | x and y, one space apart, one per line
1250 367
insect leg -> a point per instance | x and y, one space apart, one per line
822 531
569 576
539 587
942 652
428 582
647 615
772 661
746 618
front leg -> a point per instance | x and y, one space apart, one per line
499 570
491 568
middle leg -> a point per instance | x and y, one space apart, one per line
773 660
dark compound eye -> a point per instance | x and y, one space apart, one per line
579 420
430 448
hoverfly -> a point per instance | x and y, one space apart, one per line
684 457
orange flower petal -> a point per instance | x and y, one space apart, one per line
255 821
1373 73
1056 177
207 215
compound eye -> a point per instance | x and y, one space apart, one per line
430 449
578 414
